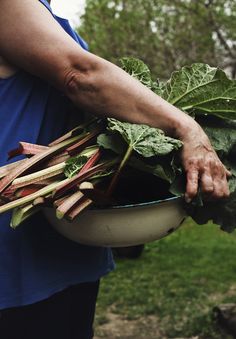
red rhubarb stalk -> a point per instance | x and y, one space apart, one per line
58 202
119 170
26 148
23 192
36 159
4 170
83 204
99 198
91 161
86 141
68 204
75 131
31 197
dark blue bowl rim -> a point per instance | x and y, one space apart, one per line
143 204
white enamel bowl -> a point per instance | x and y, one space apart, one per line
123 225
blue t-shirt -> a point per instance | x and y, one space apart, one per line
35 261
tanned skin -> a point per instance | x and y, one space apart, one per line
36 43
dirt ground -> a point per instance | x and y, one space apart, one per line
116 328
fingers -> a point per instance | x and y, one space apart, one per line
221 188
207 183
210 177
192 184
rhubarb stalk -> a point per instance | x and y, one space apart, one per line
31 197
22 213
119 170
6 181
68 204
26 148
73 132
39 176
77 179
84 203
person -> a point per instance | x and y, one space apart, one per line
48 284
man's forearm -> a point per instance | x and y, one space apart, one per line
107 90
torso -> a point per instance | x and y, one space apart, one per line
6 69
35 260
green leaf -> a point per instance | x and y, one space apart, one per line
74 165
201 89
102 174
222 134
178 185
221 212
112 142
162 170
139 70
145 140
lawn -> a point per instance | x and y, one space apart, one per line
177 281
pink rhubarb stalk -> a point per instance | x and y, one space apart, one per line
83 204
27 149
36 159
75 131
68 204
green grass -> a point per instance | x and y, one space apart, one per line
179 279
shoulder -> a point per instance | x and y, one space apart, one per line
6 69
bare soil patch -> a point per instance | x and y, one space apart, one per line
117 327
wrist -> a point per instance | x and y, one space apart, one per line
186 128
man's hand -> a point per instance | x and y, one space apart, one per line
203 168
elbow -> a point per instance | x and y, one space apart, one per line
80 83
86 84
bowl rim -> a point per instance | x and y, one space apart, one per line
142 204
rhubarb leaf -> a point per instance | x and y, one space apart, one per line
112 142
163 170
222 134
201 89
139 70
102 174
74 165
221 212
145 140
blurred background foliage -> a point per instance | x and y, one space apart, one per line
179 279
165 34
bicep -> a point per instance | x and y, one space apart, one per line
32 40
